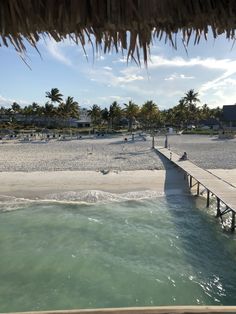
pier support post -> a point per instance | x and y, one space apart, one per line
198 189
233 221
166 141
191 182
218 213
153 142
208 198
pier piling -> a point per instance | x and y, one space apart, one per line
208 198
198 189
218 207
233 221
191 182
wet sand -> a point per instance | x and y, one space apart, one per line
41 184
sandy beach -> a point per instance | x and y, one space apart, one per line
88 154
38 169
208 152
42 184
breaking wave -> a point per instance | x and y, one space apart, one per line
9 203
96 196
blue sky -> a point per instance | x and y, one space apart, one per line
209 68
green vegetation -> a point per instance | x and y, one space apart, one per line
129 116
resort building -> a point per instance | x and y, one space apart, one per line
211 123
84 120
229 116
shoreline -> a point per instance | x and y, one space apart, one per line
33 170
39 184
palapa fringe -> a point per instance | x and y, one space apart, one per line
108 21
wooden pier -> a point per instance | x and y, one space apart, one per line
224 192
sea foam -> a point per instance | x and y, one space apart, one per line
10 203
96 196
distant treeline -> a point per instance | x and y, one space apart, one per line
147 116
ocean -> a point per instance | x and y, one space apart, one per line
94 249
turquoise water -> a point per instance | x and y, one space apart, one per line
158 251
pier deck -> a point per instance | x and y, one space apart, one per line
224 192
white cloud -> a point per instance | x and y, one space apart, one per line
107 68
100 57
210 63
228 67
86 102
129 70
208 75
7 102
108 99
176 76
55 50
120 60
220 82
179 62
129 78
229 71
222 93
129 74
103 76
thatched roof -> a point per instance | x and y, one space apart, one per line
109 20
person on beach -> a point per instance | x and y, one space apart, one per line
184 157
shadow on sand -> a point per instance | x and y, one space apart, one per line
174 178
216 139
129 141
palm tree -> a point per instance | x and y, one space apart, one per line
49 109
170 116
105 115
95 114
54 95
191 98
115 113
68 109
217 112
38 110
48 112
2 110
149 114
131 111
205 112
15 108
27 110
72 107
180 113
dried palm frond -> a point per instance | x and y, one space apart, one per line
109 21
